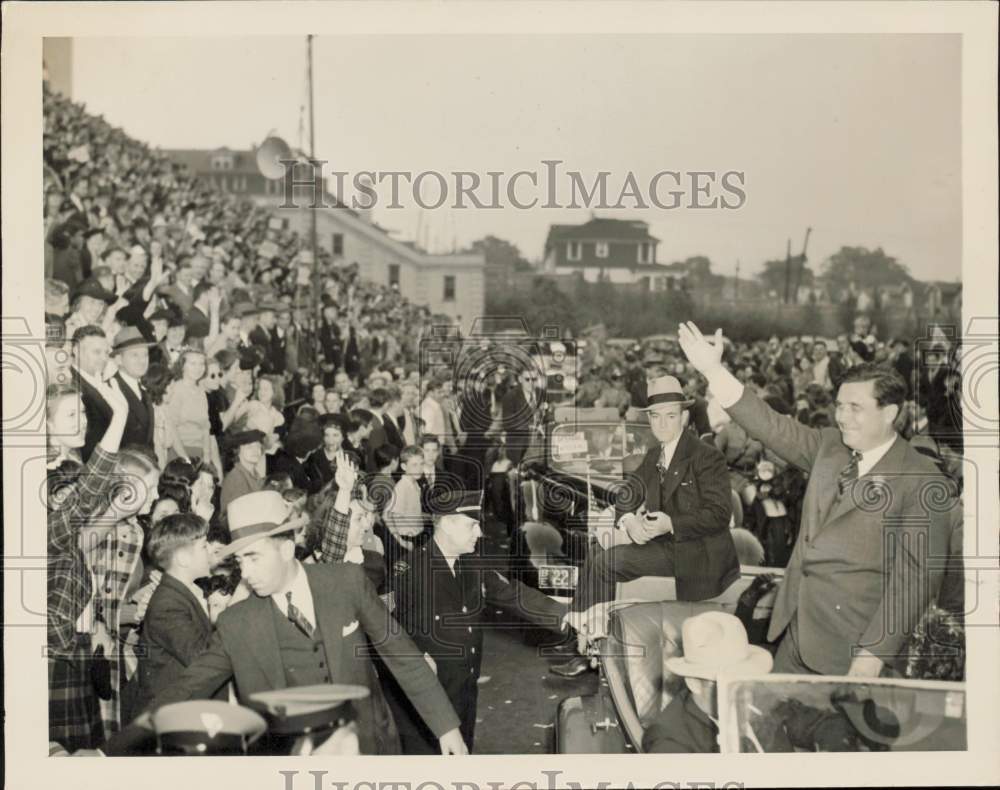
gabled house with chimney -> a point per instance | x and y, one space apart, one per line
611 250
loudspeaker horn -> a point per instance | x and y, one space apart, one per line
269 156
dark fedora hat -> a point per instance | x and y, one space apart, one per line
92 287
238 439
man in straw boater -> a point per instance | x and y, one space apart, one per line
714 644
307 625
672 518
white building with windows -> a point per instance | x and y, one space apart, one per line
451 285
611 250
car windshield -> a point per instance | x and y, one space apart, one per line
781 714
605 449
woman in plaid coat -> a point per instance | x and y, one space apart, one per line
74 716
113 556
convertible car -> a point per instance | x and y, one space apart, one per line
773 713
563 494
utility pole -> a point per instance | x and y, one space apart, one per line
788 269
312 211
800 263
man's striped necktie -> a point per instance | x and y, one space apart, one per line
297 617
849 473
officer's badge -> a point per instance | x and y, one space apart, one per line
399 567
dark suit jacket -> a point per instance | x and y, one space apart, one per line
696 495
198 324
319 467
516 419
444 614
393 435
174 631
98 413
139 424
279 352
272 347
284 461
237 482
375 439
244 648
865 564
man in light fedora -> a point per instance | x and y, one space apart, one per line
714 643
307 625
131 354
672 517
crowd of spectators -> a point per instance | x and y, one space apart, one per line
184 359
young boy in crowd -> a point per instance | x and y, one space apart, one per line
177 626
404 514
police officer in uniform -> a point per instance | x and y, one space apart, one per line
441 601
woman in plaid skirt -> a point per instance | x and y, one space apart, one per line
74 715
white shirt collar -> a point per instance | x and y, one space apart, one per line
197 592
132 382
871 457
668 452
93 381
301 595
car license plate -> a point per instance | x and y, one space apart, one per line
559 577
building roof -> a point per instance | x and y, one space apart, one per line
200 160
245 162
601 229
610 263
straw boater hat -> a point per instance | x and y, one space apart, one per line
715 643
663 390
255 516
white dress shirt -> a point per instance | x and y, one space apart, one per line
301 596
93 381
404 511
410 426
132 382
668 452
871 457
433 416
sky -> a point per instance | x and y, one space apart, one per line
857 137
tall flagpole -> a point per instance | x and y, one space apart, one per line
312 211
